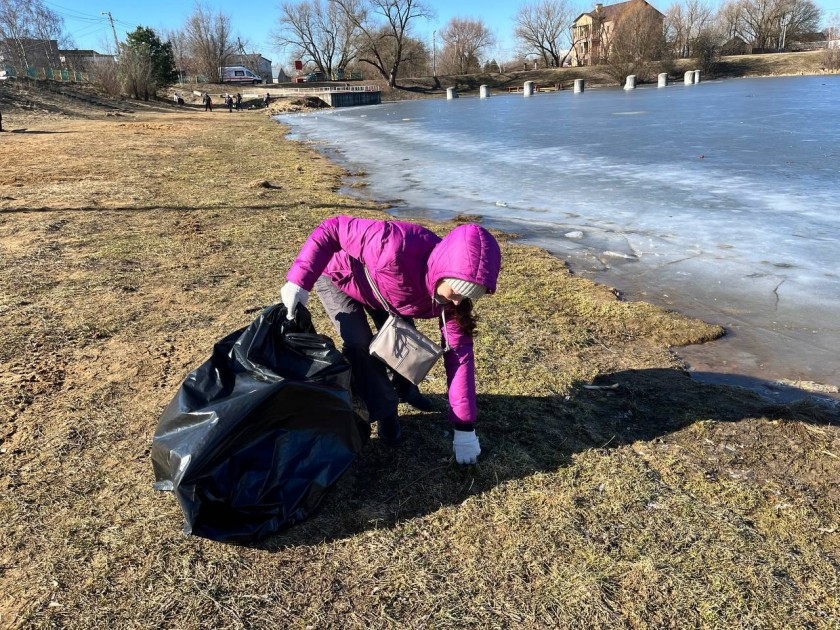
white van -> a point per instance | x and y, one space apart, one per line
239 74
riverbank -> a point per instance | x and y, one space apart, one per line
612 490
740 66
765 65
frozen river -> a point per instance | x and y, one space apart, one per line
721 200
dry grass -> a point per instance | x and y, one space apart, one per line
129 245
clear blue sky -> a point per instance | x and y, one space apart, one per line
254 20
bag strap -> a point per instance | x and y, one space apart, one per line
378 294
392 311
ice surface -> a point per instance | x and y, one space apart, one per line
721 199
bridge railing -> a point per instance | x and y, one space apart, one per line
328 89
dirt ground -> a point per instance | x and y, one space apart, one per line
612 491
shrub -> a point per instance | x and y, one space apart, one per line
708 53
106 74
831 59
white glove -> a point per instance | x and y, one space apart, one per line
291 295
466 447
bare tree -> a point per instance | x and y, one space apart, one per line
637 40
30 33
48 26
209 41
675 28
106 74
757 21
729 18
416 58
684 21
15 30
707 49
136 70
798 17
831 55
464 39
767 24
319 31
544 27
384 27
180 51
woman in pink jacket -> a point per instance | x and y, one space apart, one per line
419 275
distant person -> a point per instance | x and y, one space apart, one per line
238 101
208 102
229 102
267 99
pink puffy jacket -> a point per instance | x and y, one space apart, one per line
406 261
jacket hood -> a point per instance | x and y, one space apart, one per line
469 252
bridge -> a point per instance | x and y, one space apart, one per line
333 95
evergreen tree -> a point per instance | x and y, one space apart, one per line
146 62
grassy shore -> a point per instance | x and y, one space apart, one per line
613 491
765 65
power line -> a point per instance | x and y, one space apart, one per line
73 14
90 30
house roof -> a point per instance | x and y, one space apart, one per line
611 12
78 52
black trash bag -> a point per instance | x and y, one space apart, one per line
256 434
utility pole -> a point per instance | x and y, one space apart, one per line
113 30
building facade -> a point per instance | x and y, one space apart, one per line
592 31
82 60
25 53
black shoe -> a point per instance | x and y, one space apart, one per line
413 397
389 430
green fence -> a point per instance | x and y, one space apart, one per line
53 74
341 75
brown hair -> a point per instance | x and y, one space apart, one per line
465 318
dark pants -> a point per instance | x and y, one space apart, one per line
380 390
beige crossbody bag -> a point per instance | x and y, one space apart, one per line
401 346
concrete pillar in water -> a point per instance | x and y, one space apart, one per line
528 88
663 79
630 84
483 92
689 77
451 93
697 76
578 86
